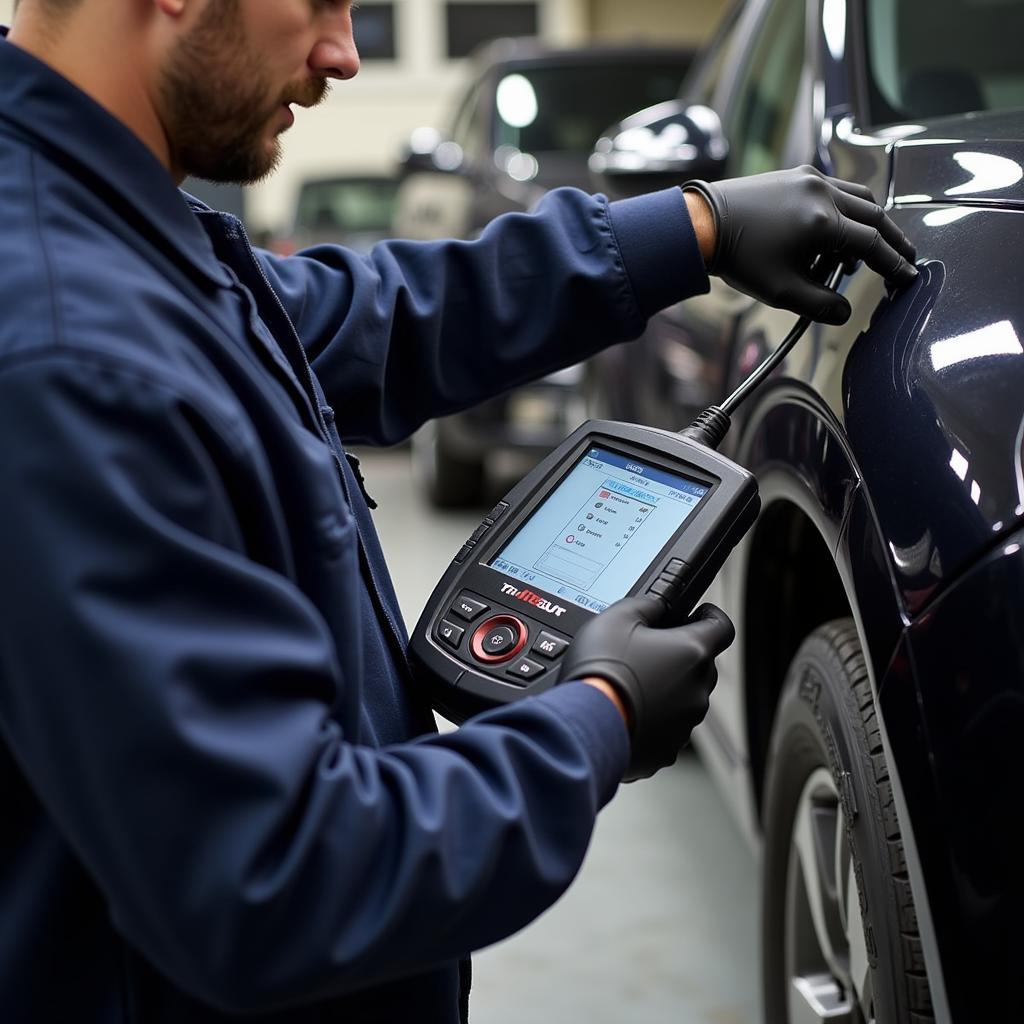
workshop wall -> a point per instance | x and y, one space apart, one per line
654 20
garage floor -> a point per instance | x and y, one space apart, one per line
661 925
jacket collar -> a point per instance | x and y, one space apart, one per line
102 152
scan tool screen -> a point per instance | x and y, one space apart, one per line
599 531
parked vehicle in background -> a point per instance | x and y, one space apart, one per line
868 726
354 210
525 123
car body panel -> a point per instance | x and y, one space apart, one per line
979 159
941 469
967 715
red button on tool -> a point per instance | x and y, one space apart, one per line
498 639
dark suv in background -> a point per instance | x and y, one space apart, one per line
526 123
868 728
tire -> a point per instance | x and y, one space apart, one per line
447 481
840 940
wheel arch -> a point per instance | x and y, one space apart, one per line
815 554
792 587
817 541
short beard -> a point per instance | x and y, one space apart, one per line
216 106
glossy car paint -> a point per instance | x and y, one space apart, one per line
889 453
956 700
939 455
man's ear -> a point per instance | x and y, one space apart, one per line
171 8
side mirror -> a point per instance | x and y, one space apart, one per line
659 147
428 150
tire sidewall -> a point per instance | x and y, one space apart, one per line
819 724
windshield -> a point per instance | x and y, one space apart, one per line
346 205
932 58
565 109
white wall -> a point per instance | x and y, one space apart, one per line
6 9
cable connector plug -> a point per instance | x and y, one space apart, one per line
709 427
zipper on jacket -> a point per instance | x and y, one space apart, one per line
325 436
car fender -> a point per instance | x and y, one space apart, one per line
815 554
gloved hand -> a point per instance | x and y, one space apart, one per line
664 676
770 227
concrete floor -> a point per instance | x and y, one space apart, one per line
661 926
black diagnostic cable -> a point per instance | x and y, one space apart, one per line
711 426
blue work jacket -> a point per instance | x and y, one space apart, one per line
222 793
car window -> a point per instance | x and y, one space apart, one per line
564 109
702 86
762 110
469 128
968 59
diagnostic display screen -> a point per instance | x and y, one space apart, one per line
598 532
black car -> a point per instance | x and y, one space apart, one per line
868 728
526 122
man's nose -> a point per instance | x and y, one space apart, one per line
335 55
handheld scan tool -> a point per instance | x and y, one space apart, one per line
617 509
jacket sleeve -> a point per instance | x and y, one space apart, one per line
169 701
420 329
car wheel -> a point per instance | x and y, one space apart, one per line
839 929
448 481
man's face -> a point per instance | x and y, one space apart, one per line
227 82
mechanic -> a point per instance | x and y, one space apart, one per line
222 794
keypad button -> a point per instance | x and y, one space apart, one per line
499 638
524 668
661 587
467 608
548 646
479 532
498 511
463 551
675 566
450 634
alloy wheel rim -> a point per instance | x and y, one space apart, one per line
827 971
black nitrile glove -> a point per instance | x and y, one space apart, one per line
665 676
771 227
